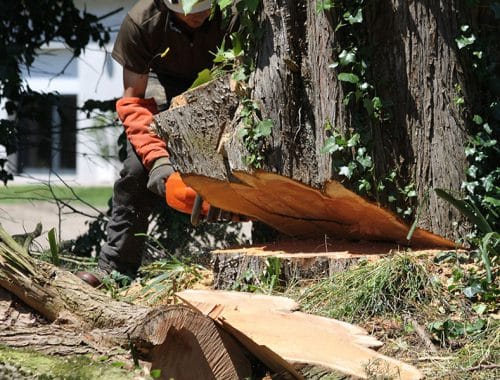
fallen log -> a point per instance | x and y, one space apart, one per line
301 339
169 337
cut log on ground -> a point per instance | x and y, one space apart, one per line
202 134
297 337
170 337
295 260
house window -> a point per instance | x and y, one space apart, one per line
48 137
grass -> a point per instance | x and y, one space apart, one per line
387 286
96 196
387 296
17 364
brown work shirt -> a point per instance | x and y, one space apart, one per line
149 29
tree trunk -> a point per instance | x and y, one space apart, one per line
416 69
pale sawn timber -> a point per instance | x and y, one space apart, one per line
299 338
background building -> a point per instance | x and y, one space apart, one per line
67 142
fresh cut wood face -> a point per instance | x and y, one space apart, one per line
304 212
280 336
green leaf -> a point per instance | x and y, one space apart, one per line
471 291
223 4
324 5
488 245
347 57
477 119
204 76
54 249
330 146
345 171
464 41
365 161
354 19
364 185
492 201
251 5
476 326
354 140
377 103
264 128
479 308
155 373
236 44
348 77
468 209
239 75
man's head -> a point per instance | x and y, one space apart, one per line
197 15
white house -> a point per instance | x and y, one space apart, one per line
70 147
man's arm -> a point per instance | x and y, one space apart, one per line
134 84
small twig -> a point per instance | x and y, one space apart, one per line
434 358
481 367
423 335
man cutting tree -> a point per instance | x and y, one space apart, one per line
162 46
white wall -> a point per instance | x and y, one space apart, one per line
94 75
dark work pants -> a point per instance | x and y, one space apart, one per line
132 206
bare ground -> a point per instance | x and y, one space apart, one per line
23 217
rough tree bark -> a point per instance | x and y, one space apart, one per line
415 67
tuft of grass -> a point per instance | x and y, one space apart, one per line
161 279
398 283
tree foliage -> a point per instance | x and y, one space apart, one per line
25 27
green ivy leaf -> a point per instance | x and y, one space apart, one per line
204 76
464 41
364 185
345 171
348 77
479 308
354 19
354 140
477 119
155 373
264 128
331 146
347 57
223 4
365 161
472 290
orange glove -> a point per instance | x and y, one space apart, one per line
180 196
136 115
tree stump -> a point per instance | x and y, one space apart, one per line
291 260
